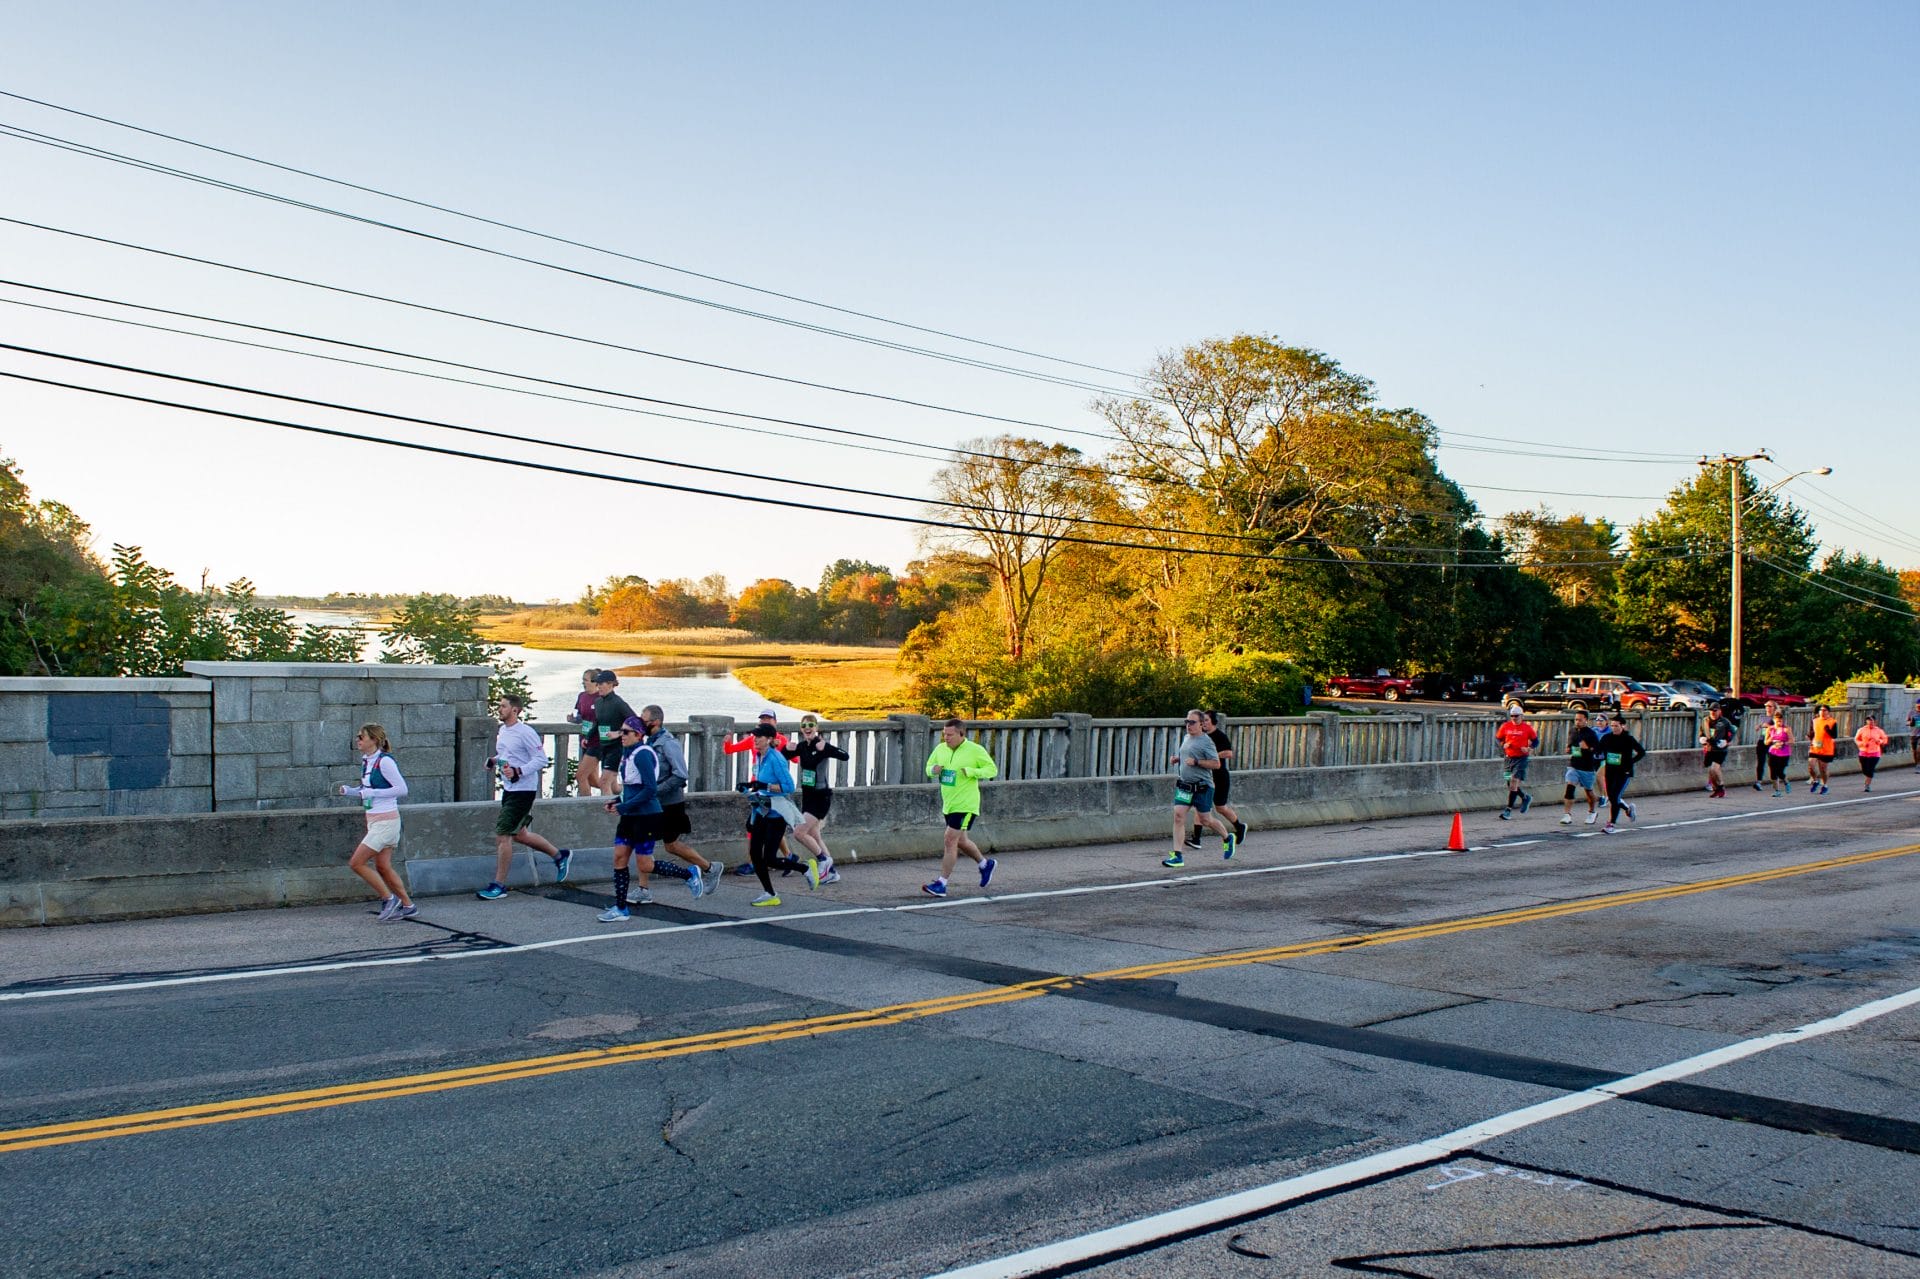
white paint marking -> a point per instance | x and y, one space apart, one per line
590 939
1149 1230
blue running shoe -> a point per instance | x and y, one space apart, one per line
986 871
492 893
1526 802
1227 847
615 915
1173 860
561 865
693 880
406 912
935 889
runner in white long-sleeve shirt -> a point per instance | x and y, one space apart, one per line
518 756
379 792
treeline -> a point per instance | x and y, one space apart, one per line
364 602
1260 500
857 602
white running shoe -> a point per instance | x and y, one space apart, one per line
1567 819
1591 816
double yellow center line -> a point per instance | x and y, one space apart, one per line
893 1014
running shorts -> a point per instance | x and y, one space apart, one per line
637 829
1584 778
816 801
674 822
383 834
1825 754
1713 756
516 812
1777 766
1517 767
1198 798
609 753
1867 764
1222 785
960 821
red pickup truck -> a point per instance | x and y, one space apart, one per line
1768 693
1389 687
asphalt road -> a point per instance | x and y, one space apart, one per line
1344 1052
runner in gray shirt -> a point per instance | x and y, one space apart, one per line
1195 763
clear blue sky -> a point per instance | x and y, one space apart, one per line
1676 229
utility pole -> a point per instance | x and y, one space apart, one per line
1733 463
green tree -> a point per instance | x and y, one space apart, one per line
850 568
1851 617
775 608
441 630
1572 554
1672 597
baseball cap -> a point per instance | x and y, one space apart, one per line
605 677
1514 710
769 715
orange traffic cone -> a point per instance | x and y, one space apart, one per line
1457 841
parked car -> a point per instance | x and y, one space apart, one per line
1768 693
1390 687
1437 686
1490 688
1693 694
1557 694
1634 695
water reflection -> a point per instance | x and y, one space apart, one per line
681 686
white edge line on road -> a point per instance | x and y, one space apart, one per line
1148 1230
590 939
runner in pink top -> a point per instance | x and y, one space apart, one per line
1870 741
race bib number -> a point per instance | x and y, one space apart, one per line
1614 758
806 777
1181 795
948 777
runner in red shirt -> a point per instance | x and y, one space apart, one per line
1517 738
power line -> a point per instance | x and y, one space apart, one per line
101 153
541 332
1105 472
22 134
552 468
559 239
1906 610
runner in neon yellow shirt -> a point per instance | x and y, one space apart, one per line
959 766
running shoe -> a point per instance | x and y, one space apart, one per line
1566 819
407 911
615 915
1193 841
492 893
1506 814
935 889
561 865
767 899
744 868
710 884
831 877
1526 802
826 867
694 885
640 898
1633 814
1174 860
986 871
1592 817
1228 846
1756 786
1239 830
813 872
1607 829
1789 788
389 907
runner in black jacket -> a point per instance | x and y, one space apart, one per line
1622 752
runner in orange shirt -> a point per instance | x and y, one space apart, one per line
1820 750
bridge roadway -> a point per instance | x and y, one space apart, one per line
1345 1052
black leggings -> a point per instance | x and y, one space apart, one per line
1617 780
1868 763
1759 762
764 846
1777 767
